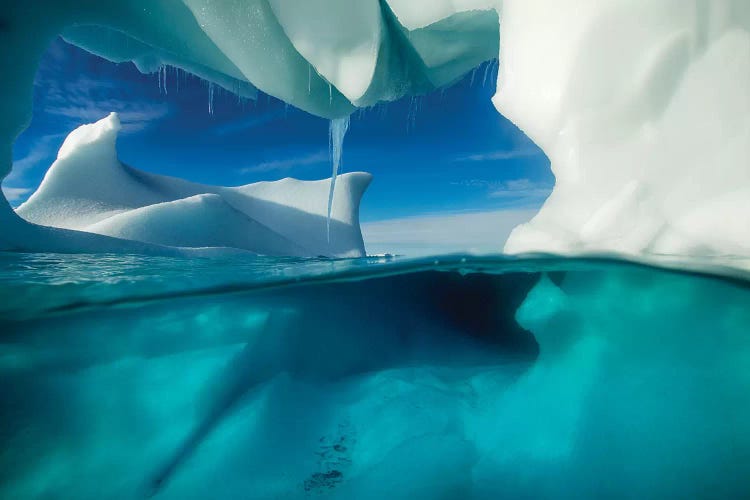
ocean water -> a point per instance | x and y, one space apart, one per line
452 377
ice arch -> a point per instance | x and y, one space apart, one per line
642 105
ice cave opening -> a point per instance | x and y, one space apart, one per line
633 103
92 187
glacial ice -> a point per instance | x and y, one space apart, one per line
641 106
88 189
644 111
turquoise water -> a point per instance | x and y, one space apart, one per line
457 377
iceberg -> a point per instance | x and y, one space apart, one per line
644 111
88 189
641 106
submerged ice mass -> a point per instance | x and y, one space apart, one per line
642 106
369 379
88 189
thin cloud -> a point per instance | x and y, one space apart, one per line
520 191
134 116
502 155
41 153
287 163
441 233
247 123
87 99
13 194
524 189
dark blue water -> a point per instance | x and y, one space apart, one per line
461 377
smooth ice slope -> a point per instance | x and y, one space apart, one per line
88 189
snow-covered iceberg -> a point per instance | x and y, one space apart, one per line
88 189
642 106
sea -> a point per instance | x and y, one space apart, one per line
449 377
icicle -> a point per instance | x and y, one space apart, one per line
309 79
486 72
489 71
473 74
210 98
164 69
336 133
330 94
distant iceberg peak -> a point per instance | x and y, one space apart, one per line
102 134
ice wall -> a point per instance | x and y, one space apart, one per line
644 111
642 106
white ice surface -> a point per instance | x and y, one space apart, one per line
644 111
88 189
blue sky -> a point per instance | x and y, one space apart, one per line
446 153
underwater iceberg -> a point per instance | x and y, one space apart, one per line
466 378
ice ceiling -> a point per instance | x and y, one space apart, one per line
643 106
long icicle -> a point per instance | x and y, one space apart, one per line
336 133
